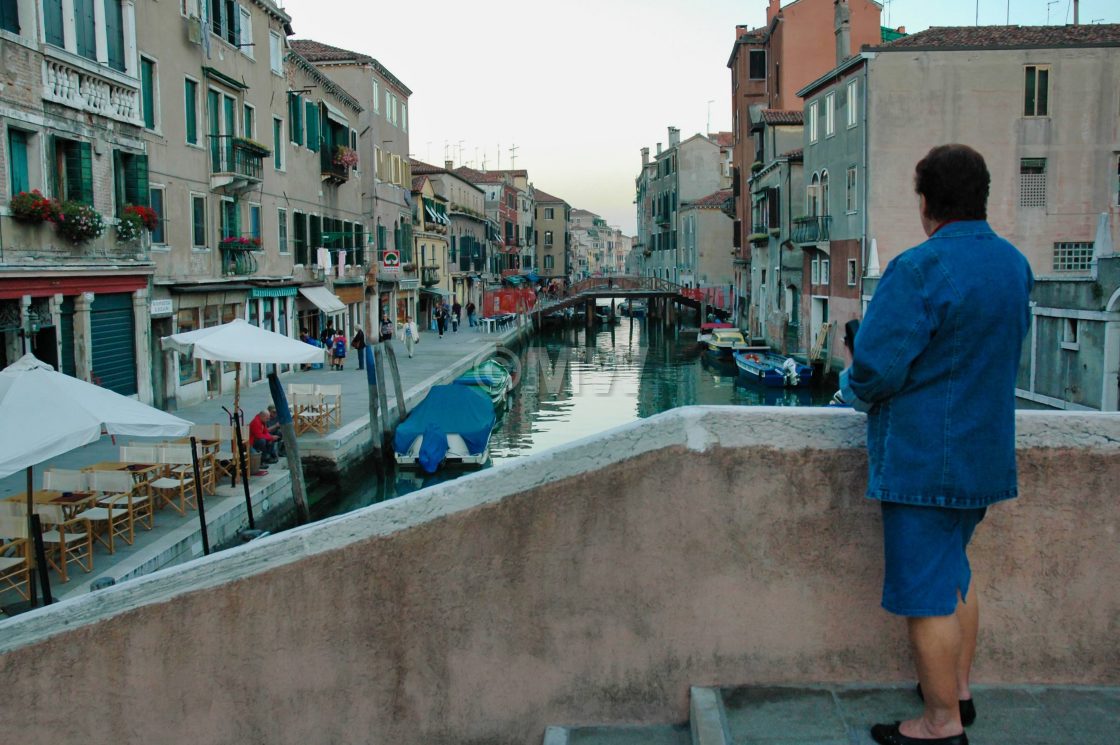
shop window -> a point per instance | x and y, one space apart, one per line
190 371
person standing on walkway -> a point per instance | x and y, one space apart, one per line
470 314
410 335
385 333
358 343
456 315
441 318
934 367
328 335
338 351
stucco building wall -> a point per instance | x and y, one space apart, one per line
593 582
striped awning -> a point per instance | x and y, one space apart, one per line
273 292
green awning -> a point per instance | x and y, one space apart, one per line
273 292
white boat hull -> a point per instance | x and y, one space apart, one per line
457 453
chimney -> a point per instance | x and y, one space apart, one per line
772 10
843 30
645 156
674 136
659 148
448 164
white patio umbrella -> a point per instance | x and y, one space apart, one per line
241 342
46 413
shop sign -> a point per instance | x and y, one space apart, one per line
390 262
162 307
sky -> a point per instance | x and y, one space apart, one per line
580 87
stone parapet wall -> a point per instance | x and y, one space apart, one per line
592 582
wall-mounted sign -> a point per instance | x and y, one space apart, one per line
390 262
162 307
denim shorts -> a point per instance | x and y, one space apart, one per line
925 559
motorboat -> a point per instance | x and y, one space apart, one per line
726 341
706 330
450 427
773 370
490 377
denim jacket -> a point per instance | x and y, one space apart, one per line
935 363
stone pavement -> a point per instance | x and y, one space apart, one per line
177 538
843 715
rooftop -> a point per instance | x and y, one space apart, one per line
1007 37
479 177
318 52
544 196
723 139
715 200
780 116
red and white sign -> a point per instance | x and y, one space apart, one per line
390 261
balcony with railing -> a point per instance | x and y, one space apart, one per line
84 85
812 229
334 165
237 255
429 275
236 163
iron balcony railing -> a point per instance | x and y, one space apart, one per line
429 275
238 156
812 229
332 171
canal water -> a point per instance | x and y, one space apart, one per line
576 382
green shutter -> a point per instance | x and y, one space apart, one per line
147 90
17 161
84 25
114 35
277 160
9 15
120 190
312 126
136 180
316 231
190 108
52 20
79 172
295 118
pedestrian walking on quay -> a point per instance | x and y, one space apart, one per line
441 318
410 335
327 336
338 351
358 343
934 364
470 315
456 315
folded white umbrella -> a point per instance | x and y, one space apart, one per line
46 413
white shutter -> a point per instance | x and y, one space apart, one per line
246 31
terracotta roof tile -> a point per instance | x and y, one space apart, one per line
1009 37
712 201
479 177
420 167
778 116
543 196
418 182
317 51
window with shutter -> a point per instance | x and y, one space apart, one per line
17 161
278 144
295 118
312 115
276 53
198 220
315 228
245 32
114 34
85 29
52 21
147 89
190 109
299 237
155 200
282 230
75 177
9 15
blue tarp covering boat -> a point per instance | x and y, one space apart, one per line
453 422
774 370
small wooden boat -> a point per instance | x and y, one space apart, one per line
633 308
491 378
706 330
451 426
773 370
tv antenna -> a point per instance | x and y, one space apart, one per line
708 131
513 157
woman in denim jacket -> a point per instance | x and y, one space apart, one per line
934 368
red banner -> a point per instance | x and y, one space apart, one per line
508 300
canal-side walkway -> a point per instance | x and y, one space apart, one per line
177 538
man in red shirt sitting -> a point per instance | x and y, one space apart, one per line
263 441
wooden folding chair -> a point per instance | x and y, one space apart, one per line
331 400
15 548
310 413
114 513
225 456
67 541
177 479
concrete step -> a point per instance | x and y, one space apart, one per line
843 715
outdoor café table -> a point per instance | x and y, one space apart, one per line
71 502
489 323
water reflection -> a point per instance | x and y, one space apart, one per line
577 382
